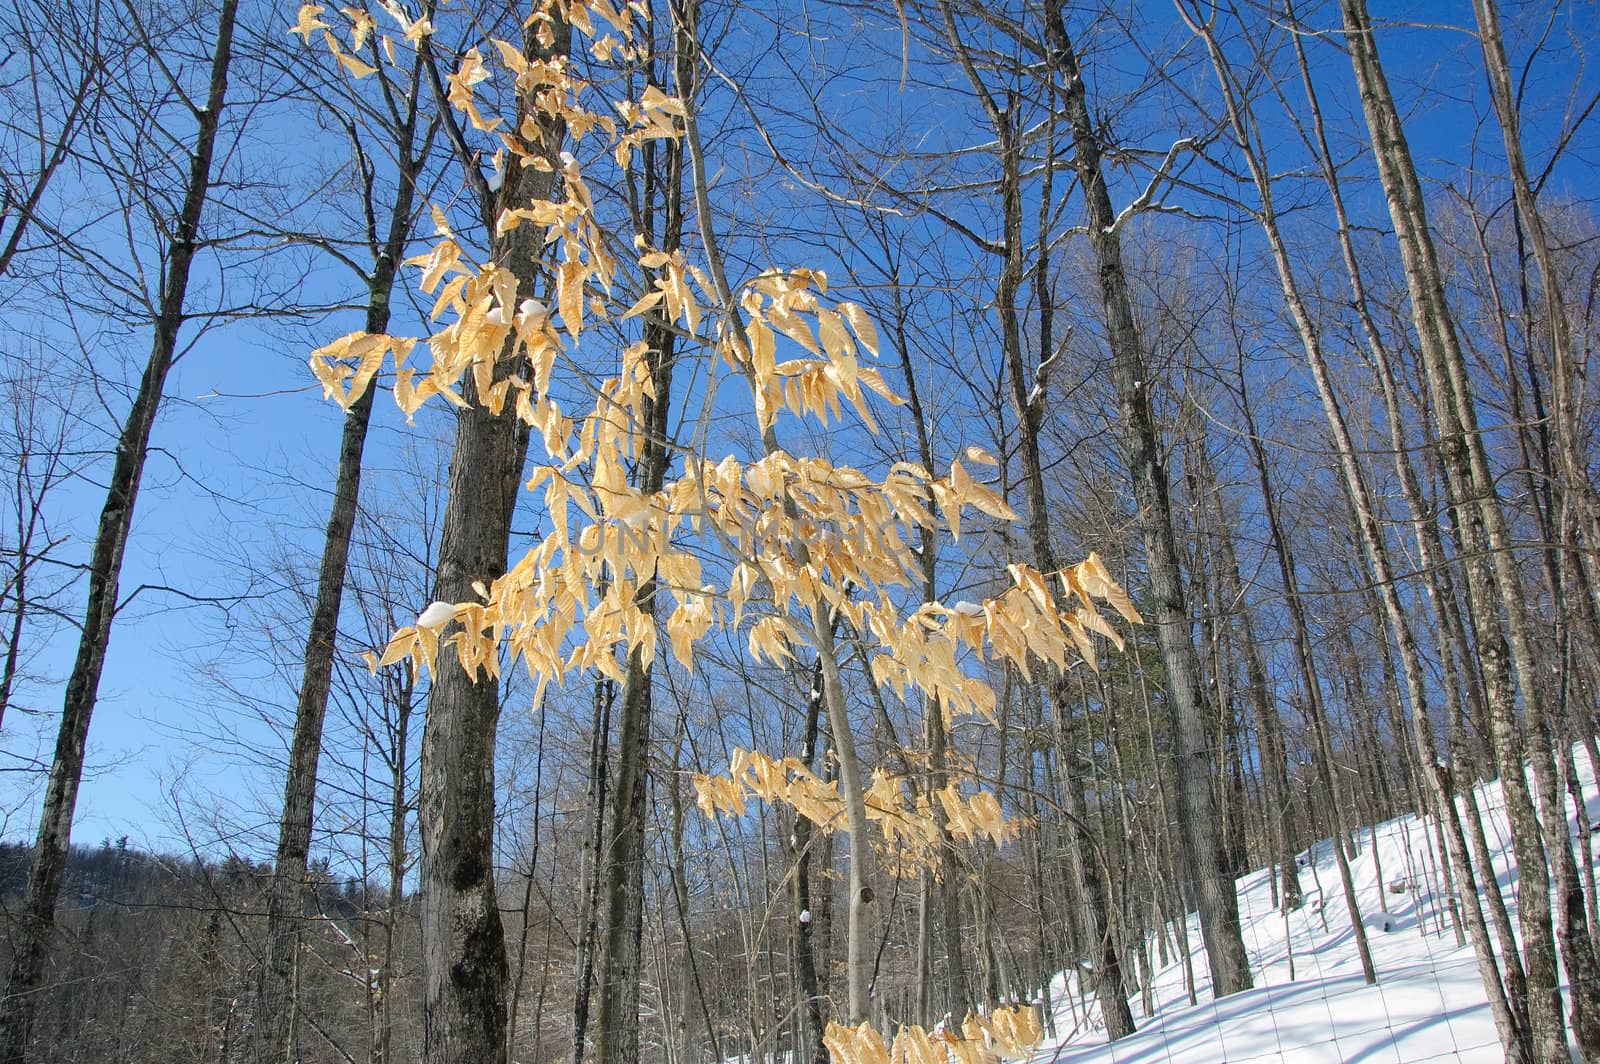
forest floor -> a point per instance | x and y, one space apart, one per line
1428 1003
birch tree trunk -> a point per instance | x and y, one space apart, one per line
1493 584
1246 133
1467 846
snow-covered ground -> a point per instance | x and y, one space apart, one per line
1428 1003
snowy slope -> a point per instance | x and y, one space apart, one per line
1428 1004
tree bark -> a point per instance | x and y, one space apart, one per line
270 1037
596 796
465 971
31 938
1493 584
1205 858
809 1007
660 218
1566 374
1027 389
616 1036
464 962
1513 1028
399 803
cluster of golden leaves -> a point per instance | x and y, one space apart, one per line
801 530
1006 1033
361 29
910 832
487 317
800 534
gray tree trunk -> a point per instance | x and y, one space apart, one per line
658 215
596 797
399 798
1461 849
810 1004
1574 484
36 919
1092 925
616 1036
1197 808
464 964
270 1037
1493 586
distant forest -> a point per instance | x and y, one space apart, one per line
154 951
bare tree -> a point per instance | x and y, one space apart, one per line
1248 138
38 441
1218 905
111 538
51 83
465 970
1494 585
657 214
403 136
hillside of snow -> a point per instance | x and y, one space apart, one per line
1428 1003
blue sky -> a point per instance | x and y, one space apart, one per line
250 443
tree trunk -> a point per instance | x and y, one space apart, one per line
1573 926
809 1007
399 801
1513 1029
1493 582
36 922
465 969
1214 889
616 1035
1566 375
269 1033
1027 396
597 794
617 1021
858 963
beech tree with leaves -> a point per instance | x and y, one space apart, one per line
806 543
